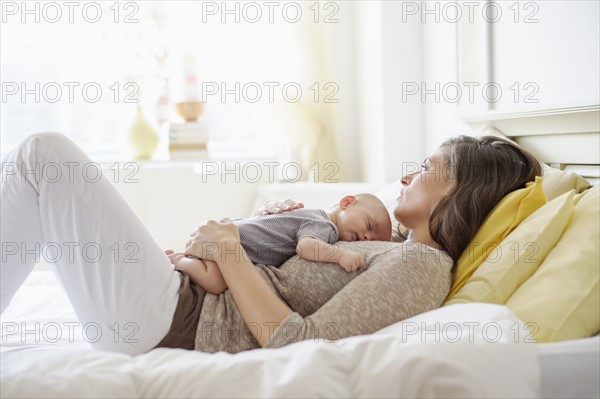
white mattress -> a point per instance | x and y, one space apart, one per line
570 369
407 359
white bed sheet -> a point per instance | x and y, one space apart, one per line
443 353
41 315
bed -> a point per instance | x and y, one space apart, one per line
483 343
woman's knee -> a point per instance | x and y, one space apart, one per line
48 139
52 147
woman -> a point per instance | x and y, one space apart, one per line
138 302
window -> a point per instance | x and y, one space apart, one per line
80 67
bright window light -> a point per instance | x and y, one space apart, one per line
79 69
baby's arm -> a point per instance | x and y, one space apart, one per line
205 273
311 248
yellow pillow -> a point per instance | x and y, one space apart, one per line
503 219
557 182
518 256
562 298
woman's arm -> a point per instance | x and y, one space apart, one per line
260 308
399 284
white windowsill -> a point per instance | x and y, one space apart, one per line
106 156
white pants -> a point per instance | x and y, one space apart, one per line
118 279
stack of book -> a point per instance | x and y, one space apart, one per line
188 140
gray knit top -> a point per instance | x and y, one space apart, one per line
398 281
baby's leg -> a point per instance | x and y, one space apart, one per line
205 273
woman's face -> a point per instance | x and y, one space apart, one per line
422 190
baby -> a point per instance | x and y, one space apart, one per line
309 233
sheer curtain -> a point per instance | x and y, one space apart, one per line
84 79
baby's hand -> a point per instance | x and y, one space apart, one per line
182 262
351 261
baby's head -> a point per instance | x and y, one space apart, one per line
362 217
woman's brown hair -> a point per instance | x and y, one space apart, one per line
483 170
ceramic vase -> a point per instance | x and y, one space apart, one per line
142 136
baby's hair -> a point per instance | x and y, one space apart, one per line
368 196
365 196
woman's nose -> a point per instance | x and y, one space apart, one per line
406 179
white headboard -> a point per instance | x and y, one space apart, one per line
567 138
564 136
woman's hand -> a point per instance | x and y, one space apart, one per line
255 300
211 238
279 206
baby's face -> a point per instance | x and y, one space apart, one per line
364 221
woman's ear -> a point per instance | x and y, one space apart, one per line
347 200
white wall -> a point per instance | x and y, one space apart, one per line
388 54
560 53
394 50
440 54
557 51
173 199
